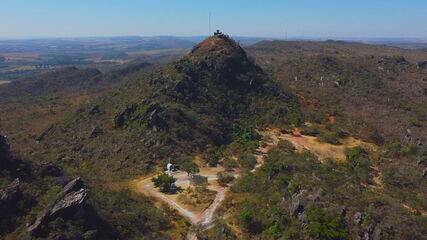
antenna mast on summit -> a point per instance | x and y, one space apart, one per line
210 24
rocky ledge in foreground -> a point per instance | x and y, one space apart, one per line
68 204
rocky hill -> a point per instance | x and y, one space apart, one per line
370 89
203 101
180 109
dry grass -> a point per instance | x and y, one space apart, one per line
196 199
321 149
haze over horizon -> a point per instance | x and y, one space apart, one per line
302 19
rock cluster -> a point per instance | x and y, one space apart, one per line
10 195
69 203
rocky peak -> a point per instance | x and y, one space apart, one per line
220 44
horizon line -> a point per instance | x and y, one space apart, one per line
413 38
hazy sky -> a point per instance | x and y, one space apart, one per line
266 18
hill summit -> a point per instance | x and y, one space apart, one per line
219 44
177 110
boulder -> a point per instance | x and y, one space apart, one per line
156 122
357 218
121 117
95 132
422 64
68 205
69 202
296 208
49 170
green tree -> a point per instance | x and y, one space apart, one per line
322 226
224 178
213 155
164 182
248 161
190 167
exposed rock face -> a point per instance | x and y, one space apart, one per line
42 136
121 117
296 208
67 204
10 195
422 65
357 218
4 151
49 170
156 122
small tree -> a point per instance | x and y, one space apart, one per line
224 178
248 161
213 155
164 183
190 167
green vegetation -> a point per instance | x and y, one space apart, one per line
322 226
225 178
164 183
248 161
295 196
189 166
213 156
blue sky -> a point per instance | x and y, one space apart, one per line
263 18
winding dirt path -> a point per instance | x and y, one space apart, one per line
205 218
270 139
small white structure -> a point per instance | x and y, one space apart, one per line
170 168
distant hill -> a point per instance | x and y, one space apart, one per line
69 80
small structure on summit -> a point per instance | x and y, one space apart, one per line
219 34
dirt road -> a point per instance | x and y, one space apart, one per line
270 139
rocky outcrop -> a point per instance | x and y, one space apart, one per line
121 117
357 218
296 207
10 195
156 122
43 135
422 65
4 151
69 203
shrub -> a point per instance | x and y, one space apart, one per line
221 231
224 178
329 137
229 163
359 163
322 226
286 146
212 157
248 161
190 167
249 222
243 132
